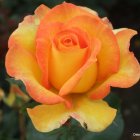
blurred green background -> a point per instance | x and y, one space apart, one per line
14 122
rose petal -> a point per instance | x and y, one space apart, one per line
48 117
95 27
43 48
97 115
22 65
56 63
53 61
129 72
24 35
63 65
64 12
85 76
93 115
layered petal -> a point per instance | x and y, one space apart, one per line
48 117
43 48
64 64
22 65
93 115
56 64
85 77
95 27
59 62
129 71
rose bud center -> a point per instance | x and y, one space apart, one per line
69 40
70 51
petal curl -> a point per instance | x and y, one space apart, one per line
22 65
129 71
48 117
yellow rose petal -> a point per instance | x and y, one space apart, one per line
96 115
48 117
129 71
64 64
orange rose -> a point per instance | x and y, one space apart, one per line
68 58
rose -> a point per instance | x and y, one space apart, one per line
68 58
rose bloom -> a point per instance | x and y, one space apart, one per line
68 58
